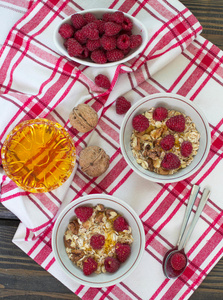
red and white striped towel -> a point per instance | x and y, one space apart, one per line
37 82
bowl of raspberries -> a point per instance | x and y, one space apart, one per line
165 138
100 37
98 240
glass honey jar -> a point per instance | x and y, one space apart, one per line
38 155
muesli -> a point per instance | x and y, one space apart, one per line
98 239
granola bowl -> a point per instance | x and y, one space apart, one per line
138 29
149 164
103 279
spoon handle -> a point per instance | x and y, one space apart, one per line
190 204
200 208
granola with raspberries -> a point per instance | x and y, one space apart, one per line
168 144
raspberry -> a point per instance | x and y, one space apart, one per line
89 266
140 123
178 261
89 17
170 161
73 47
122 105
93 45
135 41
102 81
114 55
160 113
186 148
85 53
127 24
106 17
117 17
108 42
66 31
176 123
167 142
98 56
78 21
100 26
123 42
120 224
83 212
112 28
80 37
90 31
97 241
122 251
111 264
126 51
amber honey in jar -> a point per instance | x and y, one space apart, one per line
38 155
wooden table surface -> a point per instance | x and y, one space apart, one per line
22 278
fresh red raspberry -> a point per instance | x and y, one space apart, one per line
73 47
111 264
100 26
122 105
123 42
102 81
78 21
85 53
89 266
108 42
127 24
112 28
106 17
176 123
186 148
120 224
135 41
80 37
178 261
167 142
122 251
140 123
89 17
114 55
97 241
90 31
117 17
160 113
66 31
83 212
98 56
126 51
93 45
170 161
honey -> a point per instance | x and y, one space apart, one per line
38 155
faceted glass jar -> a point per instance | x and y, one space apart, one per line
38 155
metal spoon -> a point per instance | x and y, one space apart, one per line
169 271
190 204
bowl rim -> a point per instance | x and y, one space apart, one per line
109 64
81 201
152 175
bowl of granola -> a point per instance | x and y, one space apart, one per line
100 37
165 138
98 240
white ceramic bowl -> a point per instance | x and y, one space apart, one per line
138 28
98 280
170 101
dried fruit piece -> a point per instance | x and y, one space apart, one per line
97 241
140 123
122 105
167 142
111 264
186 148
89 266
170 161
160 113
122 251
176 123
83 212
178 261
120 224
102 81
